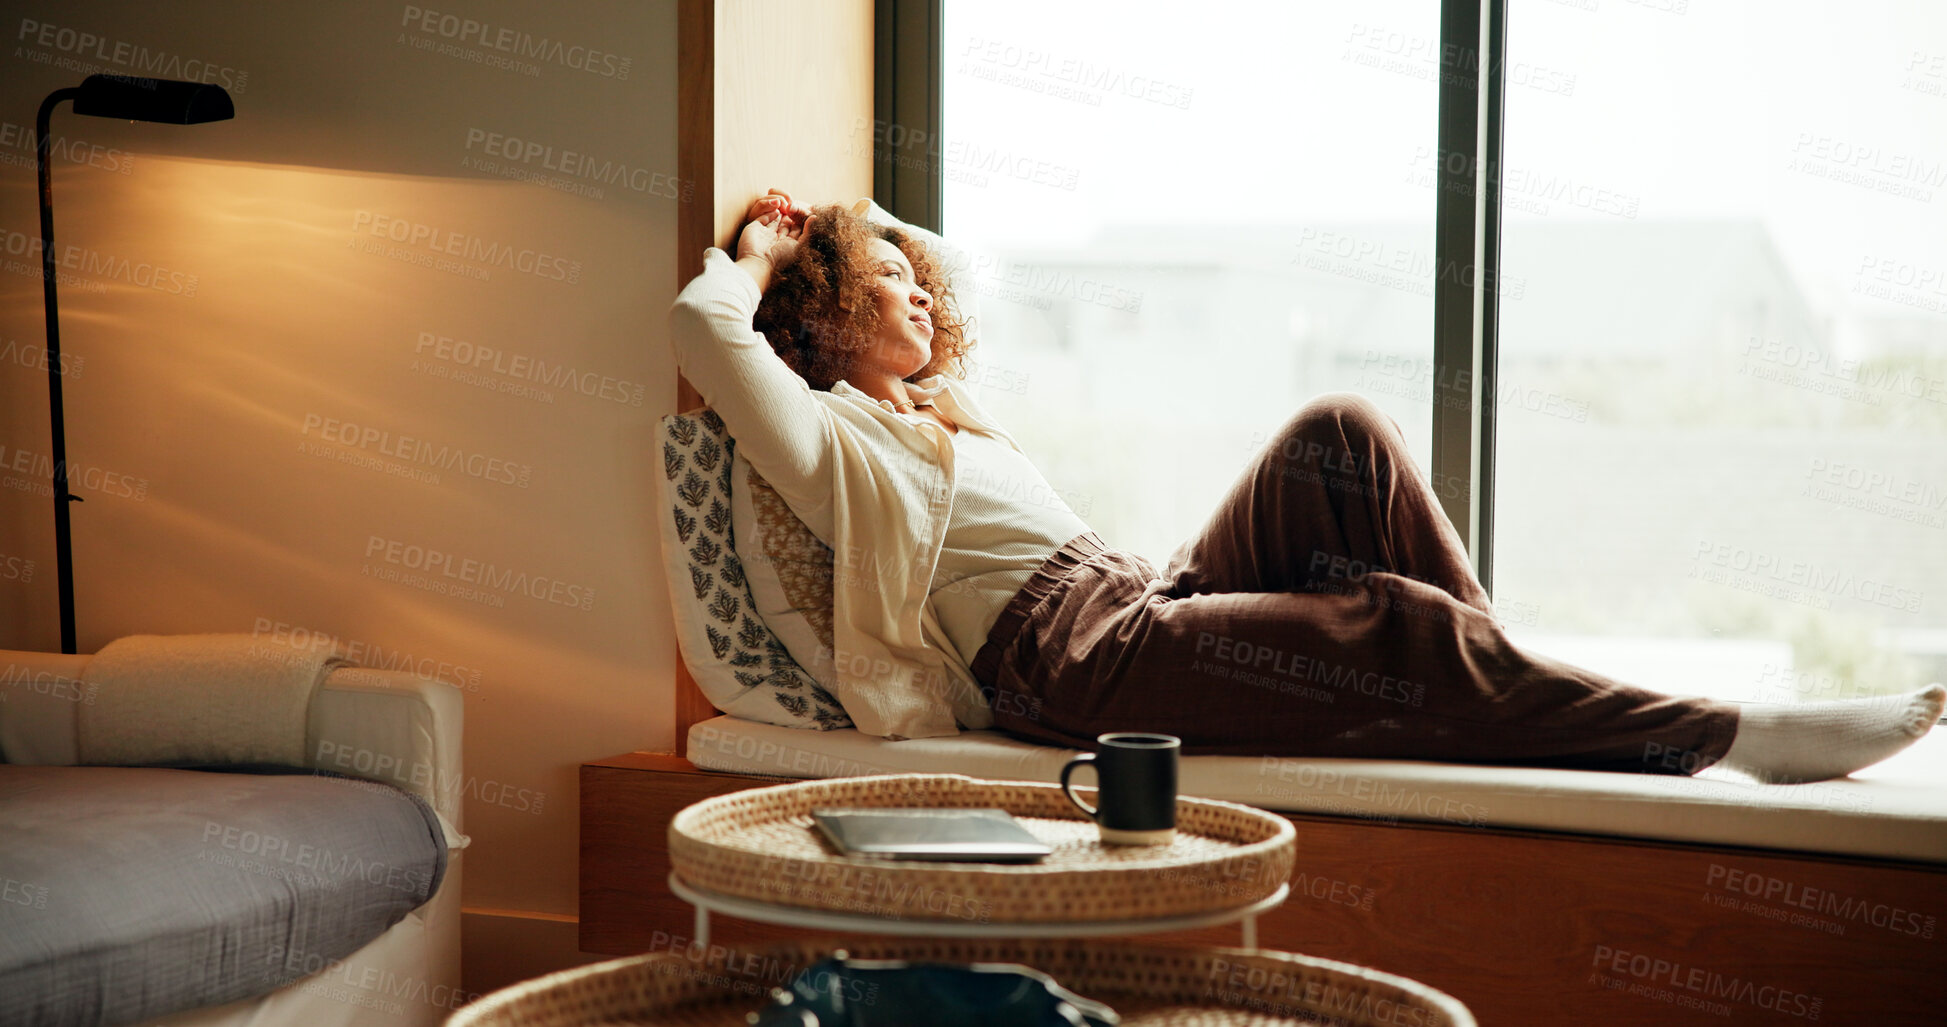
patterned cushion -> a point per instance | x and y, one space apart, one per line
741 665
790 571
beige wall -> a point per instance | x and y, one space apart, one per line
259 425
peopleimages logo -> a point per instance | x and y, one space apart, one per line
80 259
521 367
33 356
1799 581
16 568
519 43
1676 983
1038 70
447 574
303 640
36 471
1823 901
445 457
467 247
114 53
578 165
20 138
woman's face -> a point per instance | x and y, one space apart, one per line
905 341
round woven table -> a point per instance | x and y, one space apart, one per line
1147 985
756 855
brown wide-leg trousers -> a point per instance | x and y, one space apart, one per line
1327 609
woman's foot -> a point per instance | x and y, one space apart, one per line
1786 744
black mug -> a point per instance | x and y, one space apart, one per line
1135 787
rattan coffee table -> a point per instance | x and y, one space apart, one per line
1148 986
755 855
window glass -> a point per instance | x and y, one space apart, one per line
1187 225
1722 452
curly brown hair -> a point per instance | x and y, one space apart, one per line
817 313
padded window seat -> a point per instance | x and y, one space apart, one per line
1896 810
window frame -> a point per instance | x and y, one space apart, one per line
908 108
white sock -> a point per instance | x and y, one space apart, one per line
1785 744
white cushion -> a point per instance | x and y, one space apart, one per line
1893 810
737 661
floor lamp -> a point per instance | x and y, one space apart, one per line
103 96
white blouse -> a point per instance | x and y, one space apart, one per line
1006 520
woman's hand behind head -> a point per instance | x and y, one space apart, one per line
780 201
777 202
771 236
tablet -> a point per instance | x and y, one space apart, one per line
970 835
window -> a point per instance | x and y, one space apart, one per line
1722 409
1712 328
1170 205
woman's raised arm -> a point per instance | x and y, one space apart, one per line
780 428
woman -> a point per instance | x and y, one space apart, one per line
1326 609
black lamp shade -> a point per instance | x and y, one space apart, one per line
152 99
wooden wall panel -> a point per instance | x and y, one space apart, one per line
768 94
794 103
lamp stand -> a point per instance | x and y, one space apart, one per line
63 549
160 100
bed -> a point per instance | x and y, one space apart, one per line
353 861
1526 893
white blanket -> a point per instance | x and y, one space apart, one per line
195 699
